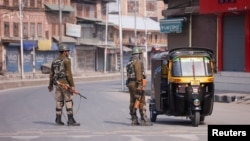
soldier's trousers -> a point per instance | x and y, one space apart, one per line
63 97
133 96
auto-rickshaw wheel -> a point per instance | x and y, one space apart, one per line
153 114
196 119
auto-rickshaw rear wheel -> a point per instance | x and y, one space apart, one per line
153 114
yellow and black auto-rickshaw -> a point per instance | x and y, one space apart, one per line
182 84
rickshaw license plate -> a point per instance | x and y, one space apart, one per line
195 90
195 82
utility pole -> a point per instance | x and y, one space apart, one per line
60 22
135 10
34 59
121 48
106 38
21 35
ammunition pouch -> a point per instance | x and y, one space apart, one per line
137 96
129 80
139 92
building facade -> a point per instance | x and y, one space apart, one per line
30 32
221 25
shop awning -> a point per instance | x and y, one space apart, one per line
104 23
65 39
14 44
87 19
44 45
55 7
28 45
126 49
172 25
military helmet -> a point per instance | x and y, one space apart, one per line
63 48
136 50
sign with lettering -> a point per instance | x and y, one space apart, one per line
73 30
220 6
172 25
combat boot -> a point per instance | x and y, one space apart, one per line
131 114
134 120
71 121
145 123
58 120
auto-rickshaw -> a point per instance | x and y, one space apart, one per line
182 84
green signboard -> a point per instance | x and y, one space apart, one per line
171 25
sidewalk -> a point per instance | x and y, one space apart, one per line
13 80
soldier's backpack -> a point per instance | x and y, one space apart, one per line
130 70
59 70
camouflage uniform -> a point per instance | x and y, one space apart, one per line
135 85
62 95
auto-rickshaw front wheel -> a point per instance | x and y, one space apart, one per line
196 119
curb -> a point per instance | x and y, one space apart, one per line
229 98
36 82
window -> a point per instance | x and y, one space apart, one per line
79 9
39 29
15 29
104 8
87 31
6 2
15 2
156 37
39 3
151 6
111 36
6 29
53 31
133 6
191 66
86 11
32 3
25 30
32 29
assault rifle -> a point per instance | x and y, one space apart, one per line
67 87
140 92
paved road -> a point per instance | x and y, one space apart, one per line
27 114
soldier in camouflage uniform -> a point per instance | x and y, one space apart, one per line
61 71
135 76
